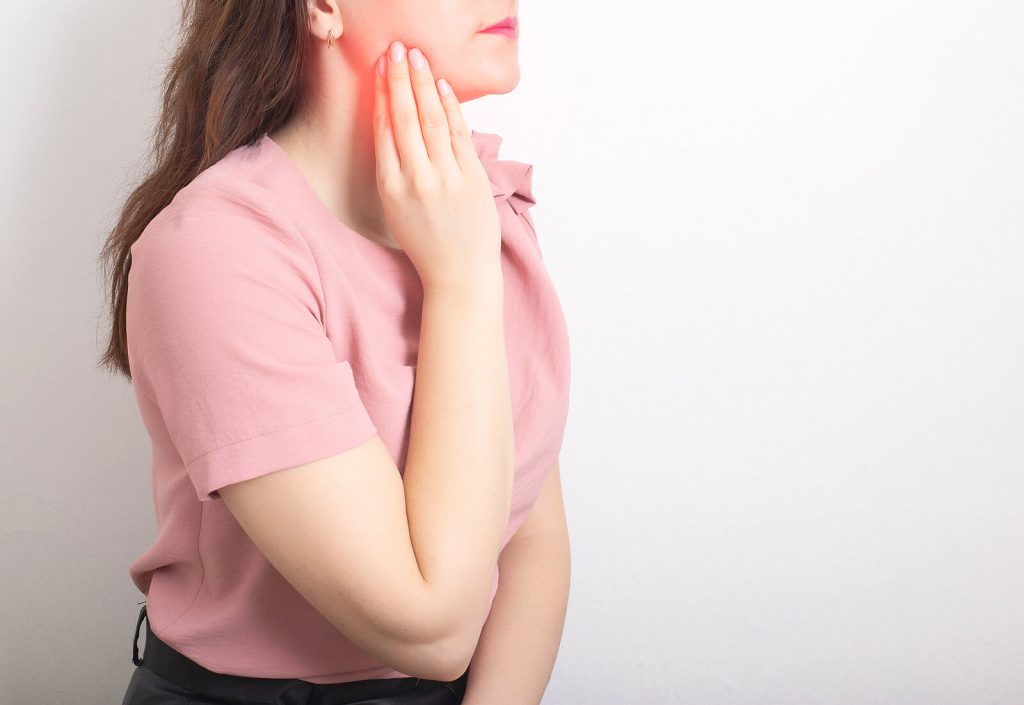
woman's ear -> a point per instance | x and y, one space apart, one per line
324 18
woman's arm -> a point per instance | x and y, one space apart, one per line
516 652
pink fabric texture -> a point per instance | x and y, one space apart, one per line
263 333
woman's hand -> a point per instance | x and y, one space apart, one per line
435 192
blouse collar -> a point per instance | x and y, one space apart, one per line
511 181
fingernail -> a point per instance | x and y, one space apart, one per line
416 59
443 87
380 64
397 52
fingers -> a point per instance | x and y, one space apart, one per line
388 163
405 121
458 132
416 123
432 115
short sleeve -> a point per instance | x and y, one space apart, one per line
225 335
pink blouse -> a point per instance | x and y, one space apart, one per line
263 334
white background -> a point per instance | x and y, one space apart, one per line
789 242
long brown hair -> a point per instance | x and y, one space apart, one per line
235 75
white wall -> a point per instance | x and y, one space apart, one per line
789 241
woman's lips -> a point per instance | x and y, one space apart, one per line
507 31
508 27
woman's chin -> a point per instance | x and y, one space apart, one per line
484 82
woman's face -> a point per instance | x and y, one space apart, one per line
448 33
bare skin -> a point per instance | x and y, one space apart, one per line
330 136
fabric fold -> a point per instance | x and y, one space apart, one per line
511 180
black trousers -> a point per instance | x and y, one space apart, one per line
165 676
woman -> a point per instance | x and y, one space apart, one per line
321 242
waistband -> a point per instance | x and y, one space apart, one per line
172 665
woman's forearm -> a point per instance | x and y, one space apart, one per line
516 653
459 473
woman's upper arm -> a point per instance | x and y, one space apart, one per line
225 335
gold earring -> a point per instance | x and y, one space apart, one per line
330 38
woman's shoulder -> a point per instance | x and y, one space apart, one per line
224 201
229 186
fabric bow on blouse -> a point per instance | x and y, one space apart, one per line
511 181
